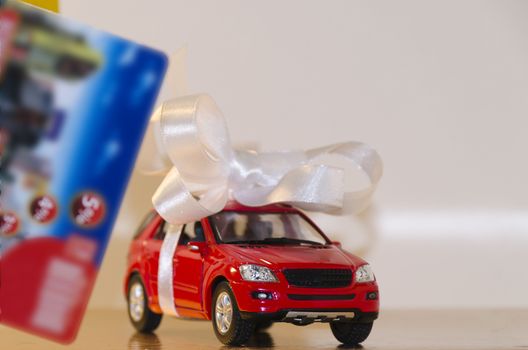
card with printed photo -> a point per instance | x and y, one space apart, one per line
74 104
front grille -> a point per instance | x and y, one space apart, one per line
318 278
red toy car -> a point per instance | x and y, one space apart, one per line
245 268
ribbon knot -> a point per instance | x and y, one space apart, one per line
188 137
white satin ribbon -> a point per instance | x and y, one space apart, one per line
166 273
188 137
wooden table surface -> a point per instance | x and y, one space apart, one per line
456 329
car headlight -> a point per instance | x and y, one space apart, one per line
256 273
364 274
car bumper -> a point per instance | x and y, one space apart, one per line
358 302
304 317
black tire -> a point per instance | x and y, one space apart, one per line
350 333
239 330
146 321
263 326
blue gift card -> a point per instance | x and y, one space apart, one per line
74 104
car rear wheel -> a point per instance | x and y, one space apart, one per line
142 318
229 326
351 333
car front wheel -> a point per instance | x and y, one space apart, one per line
142 318
350 333
229 326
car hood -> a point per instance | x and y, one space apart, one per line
279 256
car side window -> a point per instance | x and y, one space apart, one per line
164 229
193 232
160 233
144 223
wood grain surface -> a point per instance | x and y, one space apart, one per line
454 329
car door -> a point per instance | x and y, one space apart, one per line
188 267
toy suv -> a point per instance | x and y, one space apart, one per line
245 268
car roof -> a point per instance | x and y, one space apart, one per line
235 206
279 207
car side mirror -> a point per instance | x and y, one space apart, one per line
198 247
336 243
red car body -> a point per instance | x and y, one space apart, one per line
200 266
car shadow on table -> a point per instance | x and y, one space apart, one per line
260 340
343 346
140 341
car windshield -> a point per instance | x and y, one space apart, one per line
265 228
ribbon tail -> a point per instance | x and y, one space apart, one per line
166 272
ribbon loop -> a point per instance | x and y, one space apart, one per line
195 138
189 136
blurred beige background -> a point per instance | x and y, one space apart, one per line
438 87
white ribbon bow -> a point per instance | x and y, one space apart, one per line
189 136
